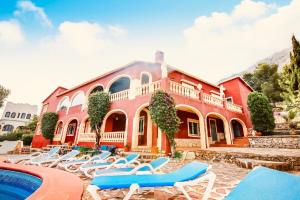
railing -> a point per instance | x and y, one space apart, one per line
112 137
209 99
148 88
184 91
87 137
119 95
57 137
234 107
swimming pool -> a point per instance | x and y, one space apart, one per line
17 185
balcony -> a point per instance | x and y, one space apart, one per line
178 89
87 137
119 95
112 137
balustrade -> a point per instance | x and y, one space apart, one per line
184 91
209 99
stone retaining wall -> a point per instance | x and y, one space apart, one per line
275 141
188 142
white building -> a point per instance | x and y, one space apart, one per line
15 115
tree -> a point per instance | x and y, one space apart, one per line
163 113
98 107
290 76
261 112
265 79
3 95
49 121
32 124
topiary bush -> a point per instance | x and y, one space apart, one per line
98 107
49 121
163 113
27 139
261 113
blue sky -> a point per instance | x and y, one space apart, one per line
66 42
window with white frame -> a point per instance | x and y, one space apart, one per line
193 127
71 129
141 125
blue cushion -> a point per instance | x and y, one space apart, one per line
186 173
104 148
265 184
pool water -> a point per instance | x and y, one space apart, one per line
17 185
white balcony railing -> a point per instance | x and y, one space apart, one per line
119 95
209 99
234 107
148 88
184 91
112 137
87 137
57 137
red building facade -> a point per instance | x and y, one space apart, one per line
209 114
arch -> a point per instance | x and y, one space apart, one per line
84 125
227 134
113 81
59 128
65 129
136 120
8 128
28 116
63 103
148 74
201 122
77 99
245 132
94 88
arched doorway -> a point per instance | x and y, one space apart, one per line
218 132
59 129
71 131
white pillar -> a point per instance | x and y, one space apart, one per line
159 139
134 132
132 90
149 130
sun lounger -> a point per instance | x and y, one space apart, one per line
145 168
189 175
53 160
120 162
267 184
73 165
19 158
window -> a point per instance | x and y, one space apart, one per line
18 115
59 129
13 115
72 129
229 100
7 114
8 128
78 99
141 125
63 104
145 79
28 116
23 115
193 128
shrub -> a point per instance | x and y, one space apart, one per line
14 136
49 121
27 139
163 113
261 112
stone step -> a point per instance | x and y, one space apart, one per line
251 163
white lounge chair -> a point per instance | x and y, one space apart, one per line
53 160
189 175
73 165
120 162
146 168
19 158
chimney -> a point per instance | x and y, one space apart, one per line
159 57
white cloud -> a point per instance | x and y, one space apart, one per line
226 43
117 30
10 33
29 7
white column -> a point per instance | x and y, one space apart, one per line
125 134
203 133
159 139
132 91
149 130
134 132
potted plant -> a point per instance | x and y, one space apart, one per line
126 147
